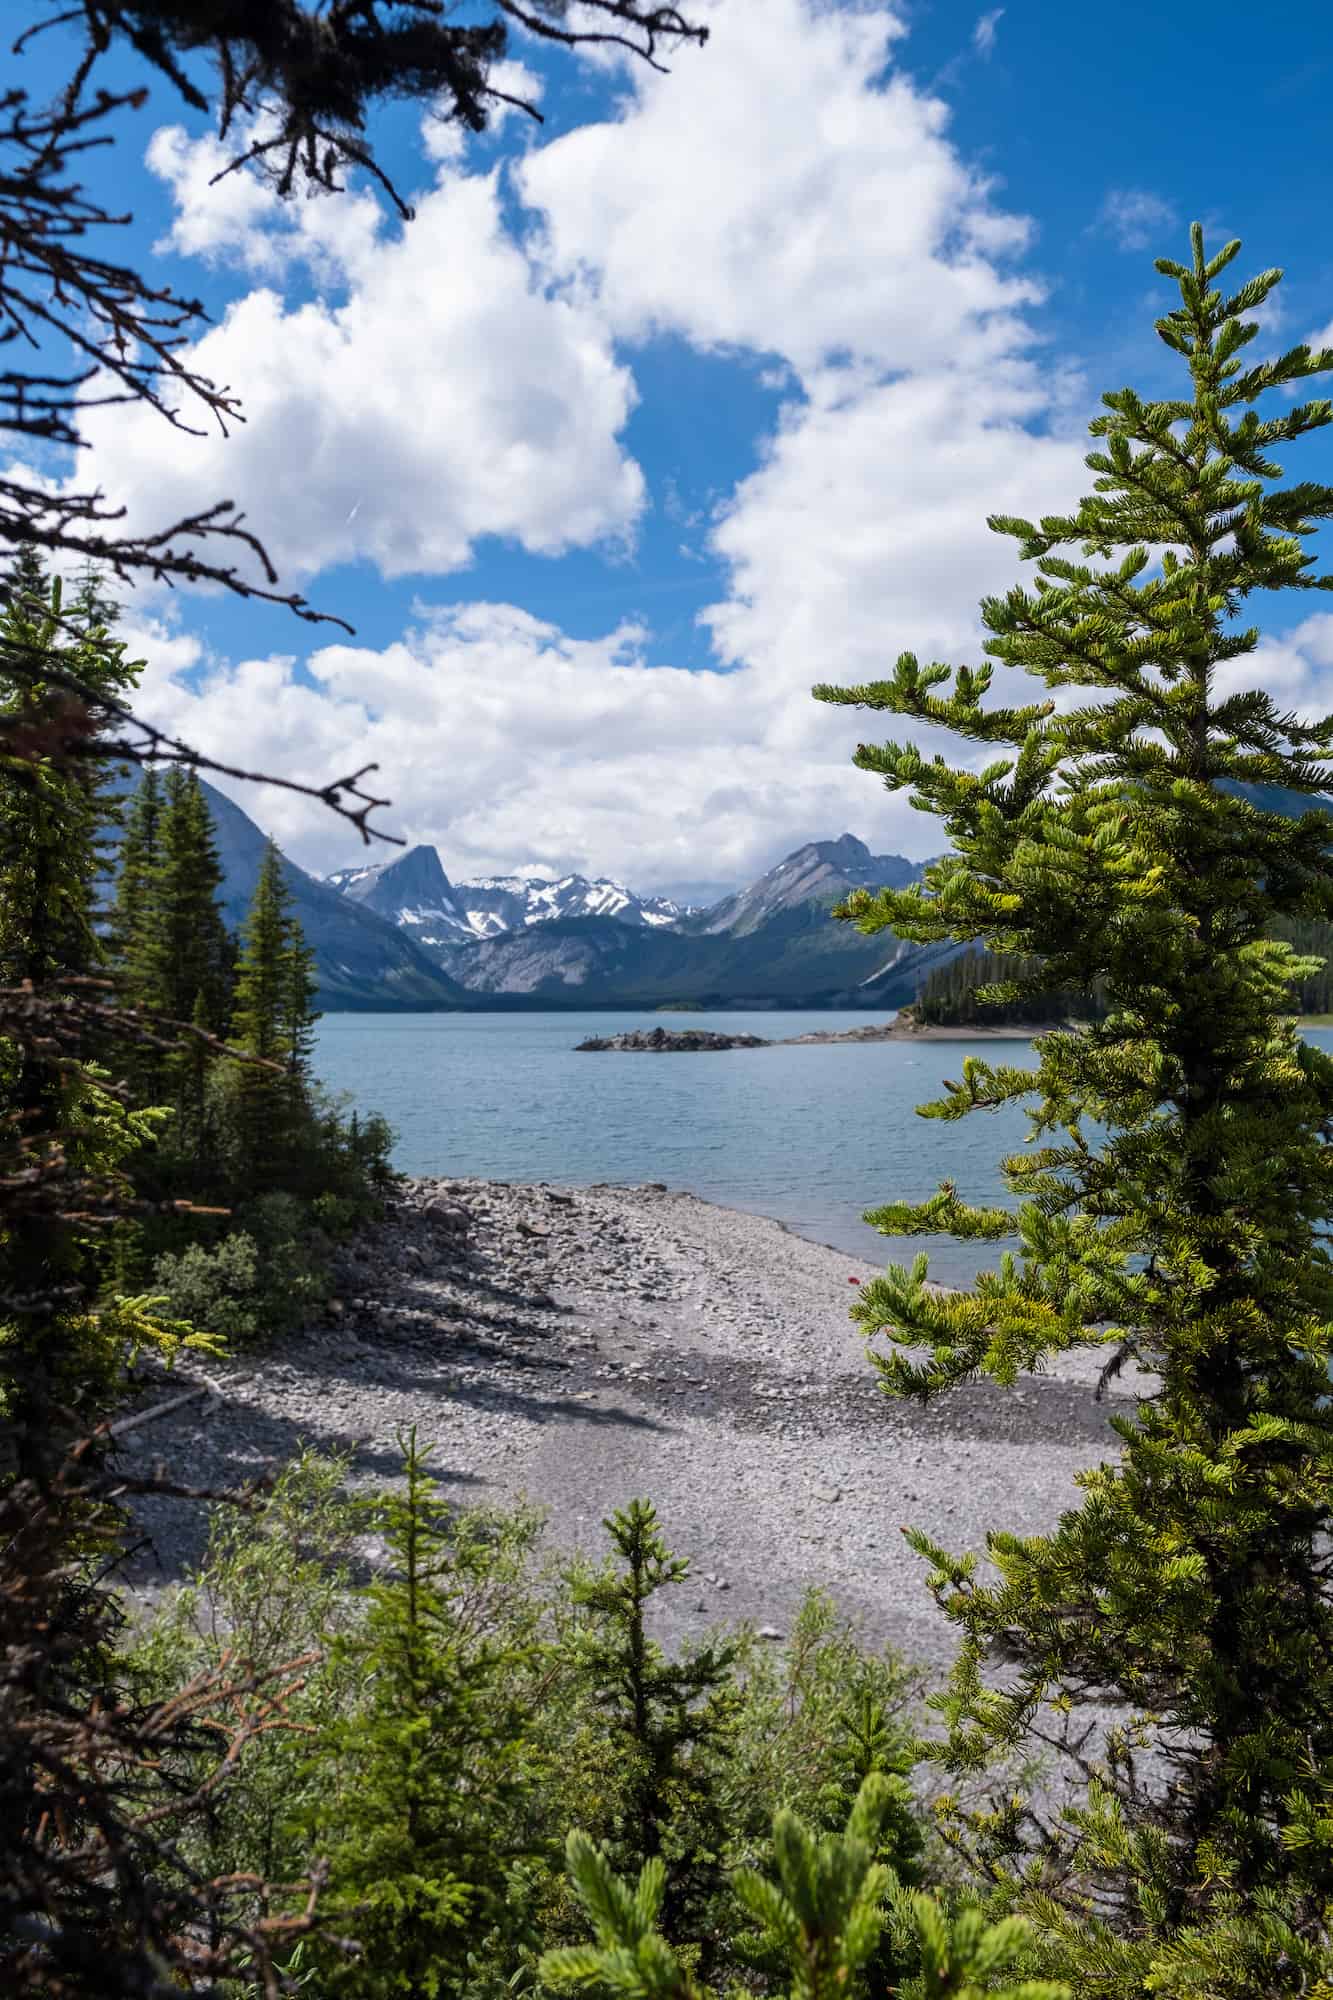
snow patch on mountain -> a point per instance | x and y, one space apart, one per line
461 913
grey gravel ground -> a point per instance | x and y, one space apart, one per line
581 1346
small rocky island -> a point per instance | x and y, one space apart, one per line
667 1041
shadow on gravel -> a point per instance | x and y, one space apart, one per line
226 1444
1041 1411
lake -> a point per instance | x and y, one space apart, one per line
809 1136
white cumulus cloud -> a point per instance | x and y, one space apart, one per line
789 195
444 397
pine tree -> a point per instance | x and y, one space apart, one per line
26 590
422 1781
61 1126
662 1714
177 954
824 1914
131 919
275 986
299 987
258 1022
188 954
1190 1589
273 1021
56 808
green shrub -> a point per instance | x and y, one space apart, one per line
258 1281
218 1290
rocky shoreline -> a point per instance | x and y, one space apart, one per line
582 1345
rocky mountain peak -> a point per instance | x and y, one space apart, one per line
823 871
415 876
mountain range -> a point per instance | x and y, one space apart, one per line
362 960
402 936
511 940
415 892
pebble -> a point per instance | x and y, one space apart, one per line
731 1389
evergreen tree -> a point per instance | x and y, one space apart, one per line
54 808
187 955
1189 1593
273 1021
275 988
299 987
177 954
26 591
258 1022
131 920
824 1913
59 1125
92 611
422 1779
662 1714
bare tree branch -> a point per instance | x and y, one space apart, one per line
86 332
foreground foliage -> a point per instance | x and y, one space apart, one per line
1187 1598
824 1908
473 1700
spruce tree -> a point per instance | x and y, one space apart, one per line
1188 1594
421 1782
299 987
59 1125
258 1020
55 808
131 919
26 591
178 955
824 1913
273 1022
187 952
663 1714
274 1016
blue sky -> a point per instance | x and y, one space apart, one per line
691 396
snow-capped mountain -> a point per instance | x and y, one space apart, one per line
414 891
499 903
775 941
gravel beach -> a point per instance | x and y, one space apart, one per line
583 1345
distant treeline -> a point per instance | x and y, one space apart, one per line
948 997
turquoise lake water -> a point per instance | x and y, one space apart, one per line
809 1136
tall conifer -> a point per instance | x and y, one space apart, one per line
299 987
131 921
662 1714
56 1118
423 1778
183 968
273 1020
1190 1594
258 1021
274 1012
55 809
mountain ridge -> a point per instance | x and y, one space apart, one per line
361 959
415 891
772 943
402 935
